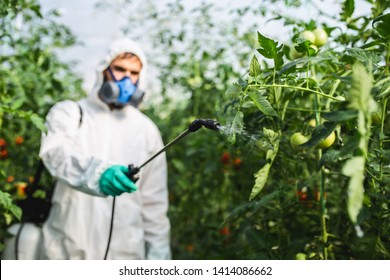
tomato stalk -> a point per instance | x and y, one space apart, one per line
387 61
322 207
296 88
382 138
1 120
324 232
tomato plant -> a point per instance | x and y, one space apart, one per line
339 87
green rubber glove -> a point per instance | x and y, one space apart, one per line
115 182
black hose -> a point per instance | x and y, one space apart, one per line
111 227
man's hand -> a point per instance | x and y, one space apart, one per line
115 182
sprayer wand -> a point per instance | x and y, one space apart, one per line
194 126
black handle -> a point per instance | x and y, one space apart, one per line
133 173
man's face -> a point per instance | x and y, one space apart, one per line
126 66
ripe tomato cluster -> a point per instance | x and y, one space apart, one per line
13 183
226 234
3 146
228 161
19 140
3 149
224 231
308 197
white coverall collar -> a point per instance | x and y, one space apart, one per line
116 48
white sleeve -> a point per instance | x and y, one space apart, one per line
62 154
155 206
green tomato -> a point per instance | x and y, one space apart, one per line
328 141
294 54
308 35
298 139
321 37
300 256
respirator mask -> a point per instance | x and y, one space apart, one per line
120 93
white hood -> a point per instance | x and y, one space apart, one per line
116 48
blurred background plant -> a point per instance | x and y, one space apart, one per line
32 79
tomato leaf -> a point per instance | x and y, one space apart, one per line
262 103
381 25
364 55
306 47
16 104
360 92
253 206
271 49
38 122
16 211
348 7
236 127
179 165
301 60
340 116
354 168
233 91
268 47
254 68
261 176
5 200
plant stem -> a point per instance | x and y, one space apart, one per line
381 138
324 232
296 88
1 119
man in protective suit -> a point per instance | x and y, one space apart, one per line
87 148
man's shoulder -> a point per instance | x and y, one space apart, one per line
65 104
64 108
146 121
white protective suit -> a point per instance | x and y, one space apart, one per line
79 221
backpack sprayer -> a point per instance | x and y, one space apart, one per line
194 126
132 174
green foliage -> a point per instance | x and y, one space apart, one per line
344 186
262 175
32 79
270 49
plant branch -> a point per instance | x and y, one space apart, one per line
296 88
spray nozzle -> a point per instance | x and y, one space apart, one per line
210 124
